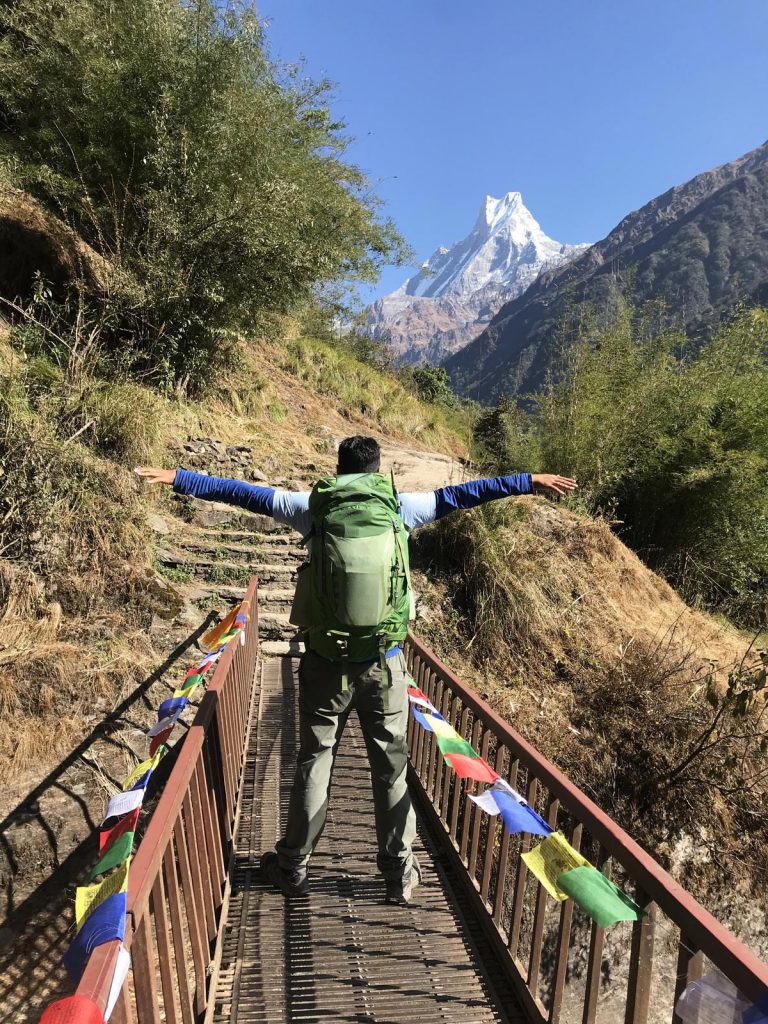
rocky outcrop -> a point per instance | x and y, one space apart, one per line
36 244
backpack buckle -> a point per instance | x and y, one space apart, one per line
343 646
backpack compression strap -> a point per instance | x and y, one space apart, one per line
386 677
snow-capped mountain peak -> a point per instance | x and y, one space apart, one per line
494 212
503 253
505 244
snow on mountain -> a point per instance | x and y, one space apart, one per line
458 290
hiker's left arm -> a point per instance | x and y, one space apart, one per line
421 508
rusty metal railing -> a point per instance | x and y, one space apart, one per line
555 960
178 878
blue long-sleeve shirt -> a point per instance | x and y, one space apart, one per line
292 507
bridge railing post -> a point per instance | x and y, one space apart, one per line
178 876
566 972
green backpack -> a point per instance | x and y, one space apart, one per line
353 598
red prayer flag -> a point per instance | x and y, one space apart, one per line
199 670
414 691
73 1010
471 768
127 823
157 741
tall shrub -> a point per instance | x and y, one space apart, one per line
670 443
212 180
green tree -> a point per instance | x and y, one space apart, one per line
433 385
212 180
669 443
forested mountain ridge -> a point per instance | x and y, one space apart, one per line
701 248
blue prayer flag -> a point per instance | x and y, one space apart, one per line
757 1014
169 706
520 817
143 781
107 922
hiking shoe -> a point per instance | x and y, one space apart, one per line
400 890
292 883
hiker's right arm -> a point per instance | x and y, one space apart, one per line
288 507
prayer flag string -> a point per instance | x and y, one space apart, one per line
560 869
100 904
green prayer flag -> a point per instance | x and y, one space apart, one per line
454 745
190 683
119 851
598 896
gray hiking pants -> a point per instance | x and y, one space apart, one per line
323 712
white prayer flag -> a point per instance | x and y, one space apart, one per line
165 723
122 803
486 801
712 999
423 703
121 972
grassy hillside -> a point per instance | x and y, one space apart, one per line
657 711
76 579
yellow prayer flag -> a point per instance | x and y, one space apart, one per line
441 728
212 637
149 765
552 858
88 897
186 693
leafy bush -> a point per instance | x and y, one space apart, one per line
671 445
503 439
433 385
211 179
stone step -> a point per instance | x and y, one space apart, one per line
225 593
215 513
281 648
270 597
275 626
213 573
219 571
228 592
280 546
281 534
276 574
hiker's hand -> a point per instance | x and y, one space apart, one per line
552 482
156 476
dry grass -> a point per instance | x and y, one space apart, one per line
56 672
565 591
72 579
600 665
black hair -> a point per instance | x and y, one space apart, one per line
359 454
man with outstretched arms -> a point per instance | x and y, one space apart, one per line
353 602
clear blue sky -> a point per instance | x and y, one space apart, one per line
588 108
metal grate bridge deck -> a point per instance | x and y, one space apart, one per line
340 953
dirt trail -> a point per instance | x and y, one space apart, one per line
420 471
